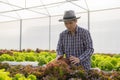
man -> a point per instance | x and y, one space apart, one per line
75 42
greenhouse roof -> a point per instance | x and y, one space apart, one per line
26 9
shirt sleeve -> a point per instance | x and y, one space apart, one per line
88 46
60 49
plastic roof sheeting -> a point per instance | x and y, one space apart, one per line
26 9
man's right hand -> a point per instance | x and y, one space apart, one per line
59 57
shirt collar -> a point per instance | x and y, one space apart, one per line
76 30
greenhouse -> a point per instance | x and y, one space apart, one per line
30 31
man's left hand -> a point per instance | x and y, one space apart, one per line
74 60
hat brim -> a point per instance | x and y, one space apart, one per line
63 20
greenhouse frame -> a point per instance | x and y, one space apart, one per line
34 23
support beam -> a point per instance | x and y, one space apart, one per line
89 20
49 33
19 8
20 43
78 6
28 8
8 16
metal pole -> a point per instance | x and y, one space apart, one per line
88 20
20 44
49 32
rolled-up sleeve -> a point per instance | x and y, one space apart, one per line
88 46
60 49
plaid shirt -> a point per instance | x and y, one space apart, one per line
78 45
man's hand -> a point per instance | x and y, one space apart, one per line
74 60
59 57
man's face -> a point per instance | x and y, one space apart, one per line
70 25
